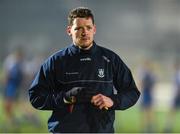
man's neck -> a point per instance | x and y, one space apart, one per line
84 48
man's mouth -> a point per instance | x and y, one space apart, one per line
85 39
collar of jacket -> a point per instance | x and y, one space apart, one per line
76 49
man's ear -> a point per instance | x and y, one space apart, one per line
94 29
68 30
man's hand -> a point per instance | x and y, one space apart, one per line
102 101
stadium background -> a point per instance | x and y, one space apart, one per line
136 30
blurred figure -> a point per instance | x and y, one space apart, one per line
147 82
31 67
176 99
12 81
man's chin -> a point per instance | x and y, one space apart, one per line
85 46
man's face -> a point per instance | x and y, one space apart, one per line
82 32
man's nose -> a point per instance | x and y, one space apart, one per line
84 31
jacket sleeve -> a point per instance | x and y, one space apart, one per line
127 92
41 93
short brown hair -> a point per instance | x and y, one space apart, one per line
81 12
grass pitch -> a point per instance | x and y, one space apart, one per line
29 120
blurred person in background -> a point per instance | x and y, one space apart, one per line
176 99
16 74
77 83
147 83
13 75
28 115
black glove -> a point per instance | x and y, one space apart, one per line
79 95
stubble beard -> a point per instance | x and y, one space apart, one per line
85 46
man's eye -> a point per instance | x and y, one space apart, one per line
78 28
89 28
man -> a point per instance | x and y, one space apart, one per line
147 82
77 83
13 78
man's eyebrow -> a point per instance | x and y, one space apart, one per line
83 26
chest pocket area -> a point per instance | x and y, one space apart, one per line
87 74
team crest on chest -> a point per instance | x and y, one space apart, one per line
101 73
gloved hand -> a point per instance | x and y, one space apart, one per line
79 95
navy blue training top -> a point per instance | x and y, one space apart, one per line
98 68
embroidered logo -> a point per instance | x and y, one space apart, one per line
101 73
71 73
106 59
85 59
